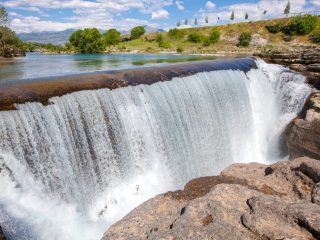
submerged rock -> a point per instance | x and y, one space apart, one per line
303 133
246 201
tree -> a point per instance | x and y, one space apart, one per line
112 37
218 18
3 15
195 21
8 37
195 37
178 24
246 16
186 22
245 39
287 9
88 40
214 35
159 38
176 33
206 19
137 32
264 12
232 16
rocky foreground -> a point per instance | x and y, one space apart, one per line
246 201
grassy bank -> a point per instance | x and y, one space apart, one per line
262 39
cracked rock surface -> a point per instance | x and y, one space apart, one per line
246 201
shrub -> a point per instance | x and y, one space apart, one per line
159 38
274 28
137 32
301 25
315 38
245 39
164 44
180 49
88 40
150 50
195 37
175 33
214 35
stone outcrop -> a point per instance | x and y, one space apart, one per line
303 133
302 58
246 201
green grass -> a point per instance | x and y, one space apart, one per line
227 43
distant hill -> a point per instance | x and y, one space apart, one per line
58 38
61 37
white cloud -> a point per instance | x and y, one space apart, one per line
179 4
161 14
210 5
86 13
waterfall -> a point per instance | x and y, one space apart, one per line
72 168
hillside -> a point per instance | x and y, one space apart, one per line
230 33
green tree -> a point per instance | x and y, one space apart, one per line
88 40
195 21
195 37
245 39
9 38
176 33
264 12
112 37
287 9
246 16
186 22
159 38
214 35
301 25
178 24
3 15
232 16
206 19
137 32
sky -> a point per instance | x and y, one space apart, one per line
58 15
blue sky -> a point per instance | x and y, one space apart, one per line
57 15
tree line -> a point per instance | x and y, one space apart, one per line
90 40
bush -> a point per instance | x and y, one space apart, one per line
214 35
315 38
175 33
137 32
301 25
180 49
274 28
195 37
245 39
164 44
159 38
150 50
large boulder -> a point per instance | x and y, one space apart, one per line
246 201
303 133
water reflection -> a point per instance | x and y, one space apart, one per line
43 65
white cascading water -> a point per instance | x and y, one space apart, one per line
70 169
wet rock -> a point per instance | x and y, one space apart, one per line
301 58
303 133
246 201
315 195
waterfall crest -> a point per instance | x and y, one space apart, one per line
79 164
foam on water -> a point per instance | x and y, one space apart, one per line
72 168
